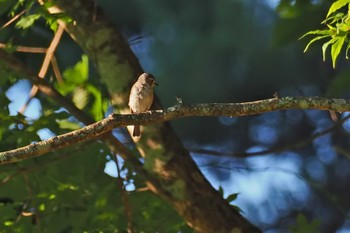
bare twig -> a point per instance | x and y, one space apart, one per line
56 70
125 198
9 177
26 49
31 199
50 51
13 19
48 57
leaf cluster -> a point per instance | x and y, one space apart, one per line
30 11
338 24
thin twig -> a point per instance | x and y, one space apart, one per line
125 197
56 70
48 57
26 49
13 19
9 177
32 201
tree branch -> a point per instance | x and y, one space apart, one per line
9 62
99 128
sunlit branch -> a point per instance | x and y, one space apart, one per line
99 128
13 19
44 67
25 49
13 64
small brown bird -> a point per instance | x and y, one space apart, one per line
141 97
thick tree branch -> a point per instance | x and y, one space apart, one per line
215 109
9 62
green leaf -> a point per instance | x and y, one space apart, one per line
232 197
324 47
42 207
347 50
27 21
336 48
79 73
66 124
99 104
239 210
337 5
221 191
317 32
9 223
303 226
313 40
74 76
80 97
333 19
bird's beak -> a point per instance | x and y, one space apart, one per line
156 84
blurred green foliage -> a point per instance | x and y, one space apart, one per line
303 226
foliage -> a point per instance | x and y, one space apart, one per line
84 94
338 24
303 226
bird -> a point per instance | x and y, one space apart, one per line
141 97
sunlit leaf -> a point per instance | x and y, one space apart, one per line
336 48
317 32
80 97
313 40
27 21
99 105
8 223
74 77
347 50
333 19
42 207
337 5
324 47
66 124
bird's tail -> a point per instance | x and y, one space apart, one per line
136 132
